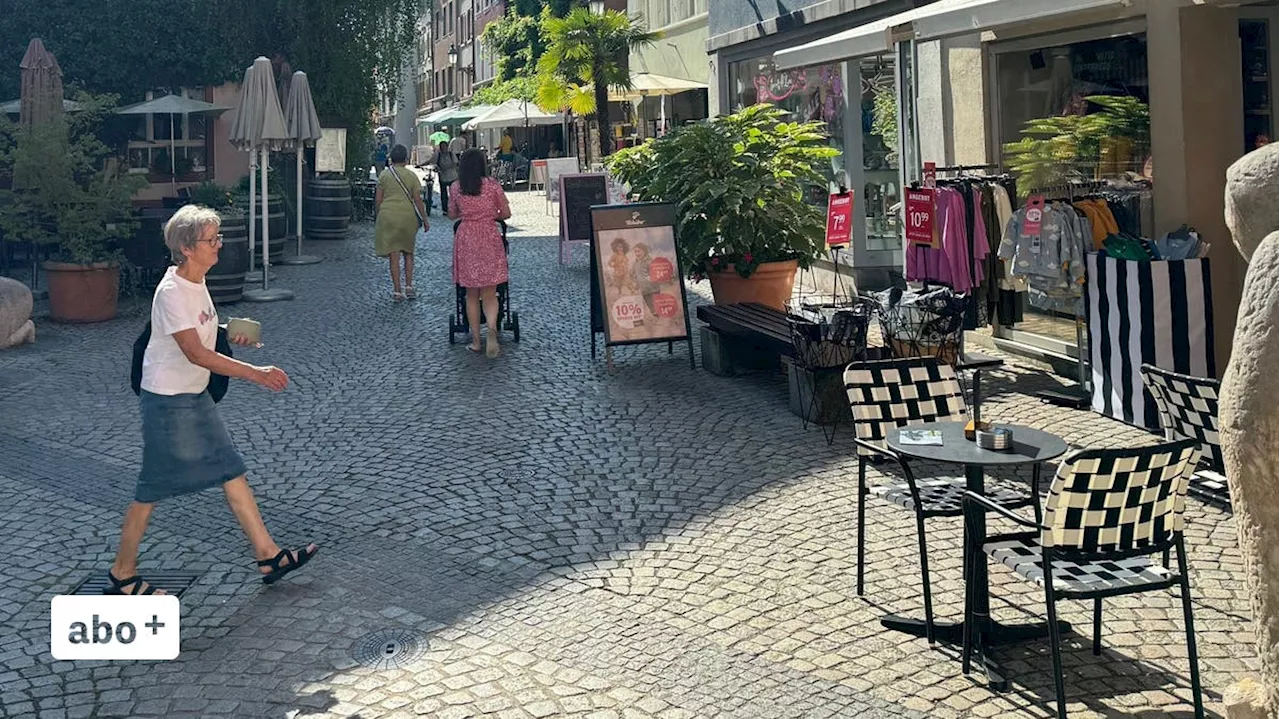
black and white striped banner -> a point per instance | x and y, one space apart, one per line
1160 313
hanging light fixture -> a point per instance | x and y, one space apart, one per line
453 55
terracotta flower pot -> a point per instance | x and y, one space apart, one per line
82 293
769 285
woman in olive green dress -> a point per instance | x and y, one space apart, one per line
400 211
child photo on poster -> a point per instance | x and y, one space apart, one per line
642 293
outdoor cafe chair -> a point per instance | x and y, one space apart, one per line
885 394
1107 512
1189 410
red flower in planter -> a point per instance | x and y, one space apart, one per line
715 261
746 257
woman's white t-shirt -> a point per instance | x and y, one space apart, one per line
179 304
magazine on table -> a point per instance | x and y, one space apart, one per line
920 437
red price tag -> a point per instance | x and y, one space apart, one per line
920 218
839 219
1034 217
930 174
661 270
664 306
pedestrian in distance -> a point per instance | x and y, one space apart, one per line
185 445
400 211
479 258
447 171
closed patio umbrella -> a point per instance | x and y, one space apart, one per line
259 128
41 97
303 126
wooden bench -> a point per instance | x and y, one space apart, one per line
743 337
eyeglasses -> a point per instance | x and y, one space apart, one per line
216 241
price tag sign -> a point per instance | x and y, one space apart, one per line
930 174
839 219
628 311
920 218
664 306
661 270
1034 218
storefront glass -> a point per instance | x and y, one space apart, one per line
1074 124
810 93
881 190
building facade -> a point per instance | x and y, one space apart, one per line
680 53
1183 88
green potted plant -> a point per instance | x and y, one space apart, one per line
68 194
739 183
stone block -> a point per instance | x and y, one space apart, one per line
16 327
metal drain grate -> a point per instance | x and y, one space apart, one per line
517 473
174 583
388 648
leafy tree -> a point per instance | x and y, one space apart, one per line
589 49
518 41
519 88
349 48
68 189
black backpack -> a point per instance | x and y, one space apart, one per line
217 383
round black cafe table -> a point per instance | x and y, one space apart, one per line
1030 446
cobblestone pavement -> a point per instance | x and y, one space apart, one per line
564 542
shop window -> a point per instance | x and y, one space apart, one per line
658 16
1256 64
810 93
1074 126
881 193
1076 113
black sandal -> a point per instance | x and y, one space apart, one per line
118 585
277 571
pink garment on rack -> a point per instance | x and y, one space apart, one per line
981 243
949 264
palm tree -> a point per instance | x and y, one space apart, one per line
586 55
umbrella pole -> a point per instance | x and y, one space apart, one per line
300 259
253 201
173 158
266 294
266 218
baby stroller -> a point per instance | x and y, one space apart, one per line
507 320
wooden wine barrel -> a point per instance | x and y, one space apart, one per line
327 210
278 224
225 280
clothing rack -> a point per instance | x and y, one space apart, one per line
1081 398
965 168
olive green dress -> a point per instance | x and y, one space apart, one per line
397 224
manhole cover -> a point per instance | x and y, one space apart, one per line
388 648
517 473
174 583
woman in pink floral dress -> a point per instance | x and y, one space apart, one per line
479 260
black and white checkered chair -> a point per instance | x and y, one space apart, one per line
1108 511
1189 410
886 394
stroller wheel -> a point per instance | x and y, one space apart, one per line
453 329
514 326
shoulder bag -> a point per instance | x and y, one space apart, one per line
217 383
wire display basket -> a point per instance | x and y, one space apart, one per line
831 334
923 323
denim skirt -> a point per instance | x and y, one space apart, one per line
185 447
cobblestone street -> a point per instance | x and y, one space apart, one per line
547 539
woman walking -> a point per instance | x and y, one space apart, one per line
185 445
398 203
479 259
447 169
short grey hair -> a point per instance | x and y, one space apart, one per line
183 230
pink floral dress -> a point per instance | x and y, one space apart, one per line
479 259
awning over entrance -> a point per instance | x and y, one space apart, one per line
945 18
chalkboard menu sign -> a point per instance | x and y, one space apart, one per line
578 193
